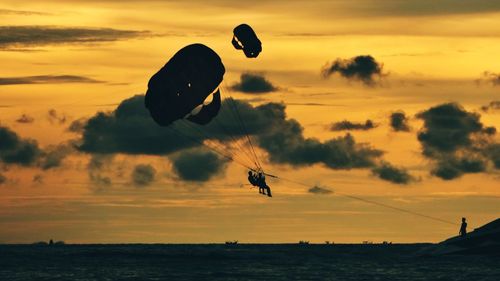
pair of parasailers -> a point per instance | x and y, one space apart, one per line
259 179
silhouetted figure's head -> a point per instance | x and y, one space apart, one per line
249 173
463 219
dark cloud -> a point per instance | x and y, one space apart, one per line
12 37
143 175
348 125
494 105
492 152
449 127
25 119
38 179
319 190
55 117
99 181
96 168
16 150
46 79
457 141
198 165
254 84
388 172
78 125
362 68
449 168
130 130
489 78
399 121
53 156
287 145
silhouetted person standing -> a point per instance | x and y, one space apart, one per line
463 228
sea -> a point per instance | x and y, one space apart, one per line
239 262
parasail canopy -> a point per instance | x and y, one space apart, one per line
245 39
183 84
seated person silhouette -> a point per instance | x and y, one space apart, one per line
261 182
463 228
252 178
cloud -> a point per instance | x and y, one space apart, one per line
55 117
254 84
21 12
99 181
46 79
143 175
38 179
319 190
457 141
493 105
3 179
96 168
287 145
449 168
492 152
77 126
361 68
489 78
53 156
348 125
399 122
449 127
16 150
12 37
25 119
129 129
388 172
198 165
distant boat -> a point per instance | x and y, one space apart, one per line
303 242
366 242
232 242
329 242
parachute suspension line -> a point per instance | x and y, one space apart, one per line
246 133
375 203
242 125
194 140
230 102
234 139
244 157
248 152
205 137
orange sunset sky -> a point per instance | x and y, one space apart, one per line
65 61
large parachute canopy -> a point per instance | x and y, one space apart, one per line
245 39
183 84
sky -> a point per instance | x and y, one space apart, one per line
394 102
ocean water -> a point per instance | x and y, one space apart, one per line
238 262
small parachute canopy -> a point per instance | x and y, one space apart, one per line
245 39
183 84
